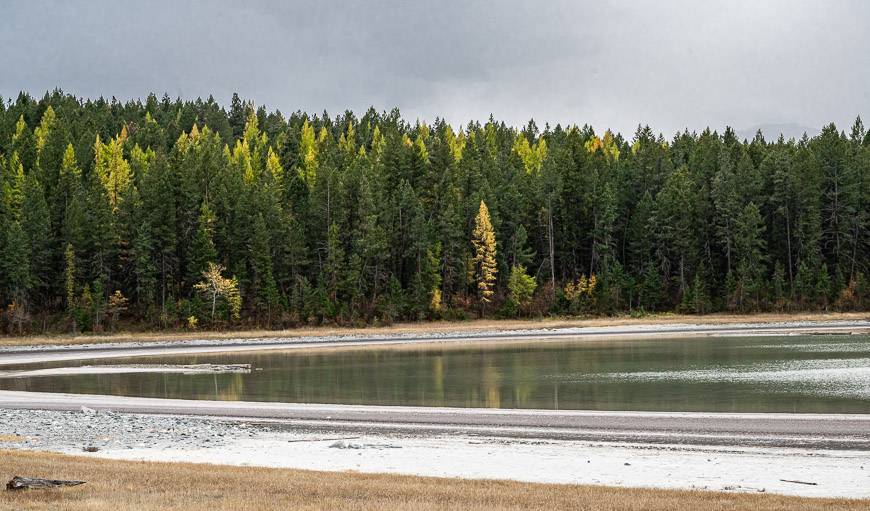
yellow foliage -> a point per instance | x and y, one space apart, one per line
607 145
483 239
456 143
435 302
347 141
308 148
215 285
532 155
421 148
20 126
593 144
273 165
582 287
378 143
113 169
46 124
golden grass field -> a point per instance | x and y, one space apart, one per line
129 485
430 327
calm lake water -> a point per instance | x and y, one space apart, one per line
807 374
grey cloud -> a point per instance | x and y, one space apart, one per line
611 64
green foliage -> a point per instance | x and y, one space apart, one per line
368 219
521 287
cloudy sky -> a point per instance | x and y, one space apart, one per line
672 64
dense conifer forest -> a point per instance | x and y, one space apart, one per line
184 214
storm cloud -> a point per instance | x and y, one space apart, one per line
673 65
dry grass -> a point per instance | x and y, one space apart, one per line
435 326
120 485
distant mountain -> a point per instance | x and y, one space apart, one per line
772 131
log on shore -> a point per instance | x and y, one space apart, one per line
36 483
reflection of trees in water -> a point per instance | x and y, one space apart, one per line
544 375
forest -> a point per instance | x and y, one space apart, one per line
174 214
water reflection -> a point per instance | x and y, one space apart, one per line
821 374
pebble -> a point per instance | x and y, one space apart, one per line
61 430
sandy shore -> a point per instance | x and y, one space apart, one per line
474 453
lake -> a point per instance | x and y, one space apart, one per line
803 374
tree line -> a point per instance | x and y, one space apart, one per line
170 213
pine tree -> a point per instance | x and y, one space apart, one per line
16 263
334 267
521 254
37 224
70 281
750 248
264 287
778 287
202 250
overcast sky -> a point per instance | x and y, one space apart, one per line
610 64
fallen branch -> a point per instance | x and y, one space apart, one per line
35 483
323 439
799 482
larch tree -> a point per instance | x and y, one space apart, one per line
485 268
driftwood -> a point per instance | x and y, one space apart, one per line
799 482
35 483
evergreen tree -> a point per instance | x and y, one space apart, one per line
37 224
521 287
750 249
368 219
263 283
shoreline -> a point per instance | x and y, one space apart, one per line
432 326
37 353
464 453
817 431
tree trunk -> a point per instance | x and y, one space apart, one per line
552 256
788 243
